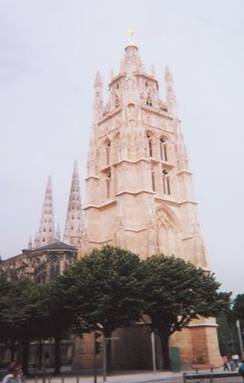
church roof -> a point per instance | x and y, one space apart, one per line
56 246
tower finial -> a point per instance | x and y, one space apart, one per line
30 243
170 94
98 83
131 36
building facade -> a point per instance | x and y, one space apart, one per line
139 197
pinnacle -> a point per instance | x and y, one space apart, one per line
168 74
98 80
46 229
74 211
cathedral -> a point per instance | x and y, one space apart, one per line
138 196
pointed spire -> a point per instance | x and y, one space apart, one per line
111 74
29 247
36 241
98 96
73 224
98 80
170 95
46 231
152 70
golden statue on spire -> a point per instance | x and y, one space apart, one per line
131 35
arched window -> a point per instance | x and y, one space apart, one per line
108 150
166 182
149 101
150 144
117 102
163 149
153 181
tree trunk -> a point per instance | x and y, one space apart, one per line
40 349
108 335
165 351
57 356
25 355
13 350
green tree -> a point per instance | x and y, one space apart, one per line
57 318
238 308
19 313
176 292
105 287
227 334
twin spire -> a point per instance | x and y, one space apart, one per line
73 223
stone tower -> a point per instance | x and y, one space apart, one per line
139 186
46 233
73 223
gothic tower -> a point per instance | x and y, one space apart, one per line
73 223
139 186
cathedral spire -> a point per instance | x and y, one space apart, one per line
170 94
29 247
98 95
46 230
73 224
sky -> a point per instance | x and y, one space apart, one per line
50 51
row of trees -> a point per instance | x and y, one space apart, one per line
106 290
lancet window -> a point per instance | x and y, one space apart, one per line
108 151
153 181
166 182
150 144
108 185
149 100
163 149
117 103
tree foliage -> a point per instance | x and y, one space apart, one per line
108 289
238 308
176 292
104 288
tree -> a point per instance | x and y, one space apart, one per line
238 308
19 313
176 292
105 287
58 317
227 334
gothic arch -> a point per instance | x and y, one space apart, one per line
164 211
168 232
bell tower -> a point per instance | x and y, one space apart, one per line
139 186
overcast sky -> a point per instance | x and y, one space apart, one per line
49 53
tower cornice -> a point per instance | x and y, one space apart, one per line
157 112
109 115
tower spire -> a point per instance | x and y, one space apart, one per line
170 94
73 224
98 96
46 230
